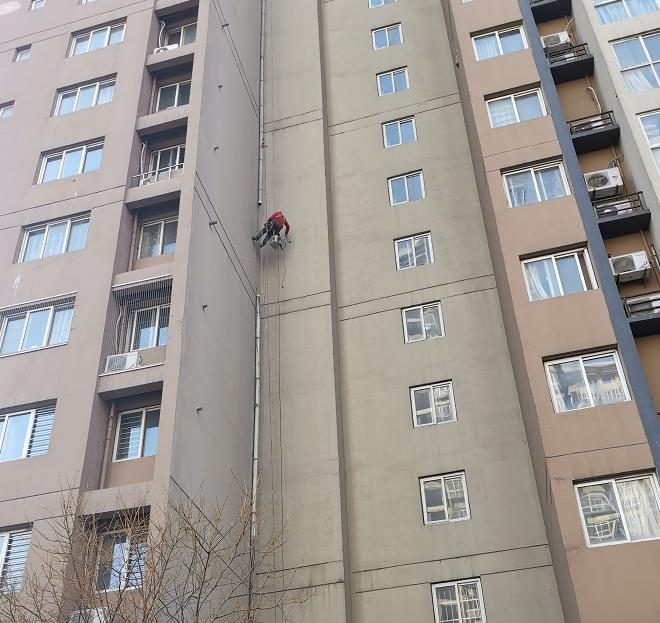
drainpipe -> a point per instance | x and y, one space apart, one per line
262 136
108 441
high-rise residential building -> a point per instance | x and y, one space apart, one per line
458 348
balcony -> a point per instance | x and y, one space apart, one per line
643 313
154 187
175 56
546 10
162 121
594 132
622 215
570 63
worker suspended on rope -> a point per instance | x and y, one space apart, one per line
272 227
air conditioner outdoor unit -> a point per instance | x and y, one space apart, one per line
605 183
94 615
166 48
119 363
557 41
630 267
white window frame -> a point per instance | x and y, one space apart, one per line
431 387
406 338
143 427
176 97
649 63
162 222
180 29
46 227
554 256
413 238
497 34
3 431
98 84
398 122
125 564
512 97
392 72
83 158
133 326
405 177
442 477
23 53
155 158
652 146
533 170
386 30
4 546
456 585
7 316
624 3
581 358
9 106
37 4
656 491
90 34
374 4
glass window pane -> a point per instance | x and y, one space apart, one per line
414 325
529 106
415 190
434 501
52 168
521 188
137 558
601 513
116 34
444 410
640 79
55 237
98 40
541 279
150 243
167 97
610 13
169 236
404 252
151 432
71 164
640 508
398 190
394 35
445 597
604 380
174 37
93 158
486 47
33 244
189 34
456 499
392 136
112 562
86 97
386 84
11 339
380 39
145 329
67 102
59 333
432 322
501 112
652 43
407 131
423 412
400 81
35 333
128 438
163 325
78 235
106 91
184 94
80 45
511 41
570 274
629 53
422 251
568 386
550 183
16 430
651 125
641 7
470 602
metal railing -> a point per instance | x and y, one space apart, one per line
621 204
571 53
158 175
592 122
642 304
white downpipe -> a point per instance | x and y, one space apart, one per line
262 135
594 97
160 34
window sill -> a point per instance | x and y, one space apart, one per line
32 350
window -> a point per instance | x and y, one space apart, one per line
137 434
22 54
84 96
164 160
651 127
37 4
375 3
121 559
459 602
173 95
515 108
433 404
498 43
149 327
586 381
610 11
393 81
14 548
6 110
413 251
72 161
406 188
558 275
86 1
33 327
539 183
183 35
399 132
54 238
444 498
26 433
639 61
158 238
423 322
385 37
96 39
620 510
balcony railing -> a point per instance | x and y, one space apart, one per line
622 215
575 52
617 206
591 123
642 305
570 63
594 132
158 175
